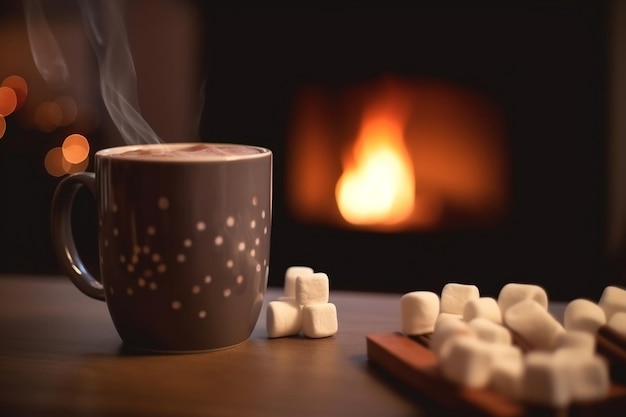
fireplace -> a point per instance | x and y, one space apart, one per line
502 113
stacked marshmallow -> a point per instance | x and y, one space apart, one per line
472 335
304 307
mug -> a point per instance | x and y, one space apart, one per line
183 241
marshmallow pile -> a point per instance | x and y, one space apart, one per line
473 338
304 307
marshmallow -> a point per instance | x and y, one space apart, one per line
319 320
454 296
445 331
588 376
612 300
312 288
584 315
507 371
468 363
448 316
284 318
579 342
533 323
290 278
617 323
419 312
545 380
491 332
485 307
513 293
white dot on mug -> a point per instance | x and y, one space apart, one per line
258 268
252 224
202 314
229 263
156 257
218 240
252 252
187 243
263 214
265 230
230 221
163 203
239 279
241 246
151 230
201 226
106 242
141 282
161 268
257 241
227 292
116 232
153 286
195 289
176 305
130 268
181 258
255 200
207 279
122 259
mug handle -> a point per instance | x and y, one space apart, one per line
62 234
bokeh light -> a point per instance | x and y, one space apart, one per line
70 168
71 157
3 126
69 109
8 101
54 162
19 85
48 116
75 148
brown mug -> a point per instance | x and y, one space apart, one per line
184 241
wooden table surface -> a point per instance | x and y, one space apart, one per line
60 355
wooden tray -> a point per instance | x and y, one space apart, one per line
418 367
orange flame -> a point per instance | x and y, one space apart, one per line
378 184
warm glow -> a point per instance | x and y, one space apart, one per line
18 84
69 158
48 116
8 101
378 184
69 109
3 126
54 162
75 148
397 155
70 168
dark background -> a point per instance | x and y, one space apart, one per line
545 64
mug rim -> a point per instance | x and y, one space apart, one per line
115 152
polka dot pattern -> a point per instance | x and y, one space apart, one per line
152 266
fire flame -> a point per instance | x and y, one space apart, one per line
378 184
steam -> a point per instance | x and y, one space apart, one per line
104 24
45 49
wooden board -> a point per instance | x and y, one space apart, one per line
418 367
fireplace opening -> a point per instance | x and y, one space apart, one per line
397 155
